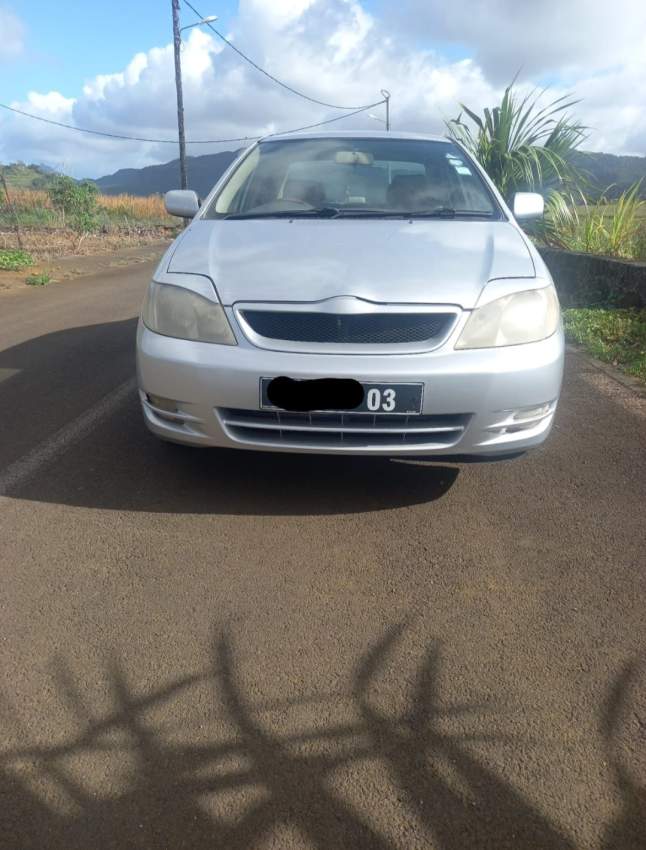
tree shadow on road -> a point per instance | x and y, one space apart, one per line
629 828
491 814
165 798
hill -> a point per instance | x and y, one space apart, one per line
203 172
602 169
606 169
22 176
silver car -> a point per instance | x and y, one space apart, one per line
352 293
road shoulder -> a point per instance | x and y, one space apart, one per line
75 266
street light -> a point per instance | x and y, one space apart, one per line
208 20
177 43
386 96
376 118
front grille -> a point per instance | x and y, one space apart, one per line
342 430
358 329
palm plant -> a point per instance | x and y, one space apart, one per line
522 144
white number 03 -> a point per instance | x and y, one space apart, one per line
376 400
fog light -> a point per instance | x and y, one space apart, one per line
160 403
532 412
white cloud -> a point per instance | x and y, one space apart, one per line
12 42
336 51
613 105
538 37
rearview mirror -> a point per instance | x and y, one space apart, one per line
528 205
354 158
183 203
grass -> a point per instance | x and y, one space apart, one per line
41 279
609 209
130 206
613 335
34 209
121 221
14 261
616 229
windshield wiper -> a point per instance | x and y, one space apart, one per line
358 212
437 212
448 212
314 212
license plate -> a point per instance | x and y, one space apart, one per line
319 396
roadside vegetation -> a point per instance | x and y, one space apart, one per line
40 279
613 335
69 217
613 228
15 261
38 208
525 144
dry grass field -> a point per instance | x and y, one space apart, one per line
132 206
35 207
122 221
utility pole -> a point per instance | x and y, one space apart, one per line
12 208
177 43
386 96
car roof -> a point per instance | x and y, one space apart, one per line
353 134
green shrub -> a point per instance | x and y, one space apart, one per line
41 279
78 201
13 261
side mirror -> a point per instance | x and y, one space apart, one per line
183 203
528 205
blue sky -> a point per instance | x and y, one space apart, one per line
109 66
71 41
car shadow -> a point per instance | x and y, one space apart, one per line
127 469
170 783
118 465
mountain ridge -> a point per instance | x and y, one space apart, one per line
607 173
203 172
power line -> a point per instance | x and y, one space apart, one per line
188 141
271 76
117 135
321 123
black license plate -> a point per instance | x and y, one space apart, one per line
338 395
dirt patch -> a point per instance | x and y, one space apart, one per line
111 257
50 243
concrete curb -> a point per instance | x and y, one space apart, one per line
627 381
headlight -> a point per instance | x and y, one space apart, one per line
512 320
182 313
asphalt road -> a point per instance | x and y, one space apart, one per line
204 649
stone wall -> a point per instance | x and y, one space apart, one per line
585 280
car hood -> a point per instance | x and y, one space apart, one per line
424 262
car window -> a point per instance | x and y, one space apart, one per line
353 175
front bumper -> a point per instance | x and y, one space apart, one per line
476 394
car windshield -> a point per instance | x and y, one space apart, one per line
354 177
